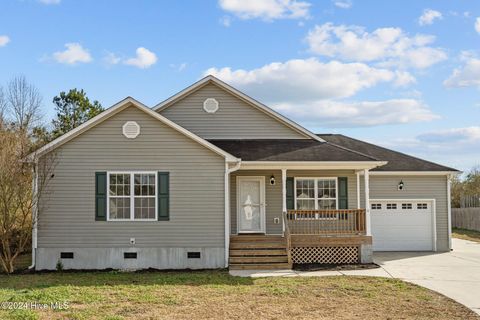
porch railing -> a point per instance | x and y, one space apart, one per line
325 222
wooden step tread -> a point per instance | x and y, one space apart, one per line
268 266
257 259
253 245
258 252
256 238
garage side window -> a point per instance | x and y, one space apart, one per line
391 206
406 206
422 206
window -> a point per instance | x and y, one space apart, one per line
406 206
376 206
391 206
422 206
316 193
132 196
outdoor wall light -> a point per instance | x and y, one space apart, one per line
401 185
272 180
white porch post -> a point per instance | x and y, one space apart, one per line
284 198
358 189
367 201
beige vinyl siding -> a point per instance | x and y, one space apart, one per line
273 194
196 188
235 119
416 187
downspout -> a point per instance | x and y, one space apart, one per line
449 210
34 213
228 171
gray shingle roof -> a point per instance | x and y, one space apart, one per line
397 161
289 150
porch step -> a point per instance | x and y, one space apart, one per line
253 252
265 266
258 252
259 259
257 245
256 238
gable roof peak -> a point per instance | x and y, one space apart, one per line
251 101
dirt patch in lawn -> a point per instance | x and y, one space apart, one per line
466 234
217 295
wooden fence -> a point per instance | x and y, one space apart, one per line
466 218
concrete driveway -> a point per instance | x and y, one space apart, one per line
455 274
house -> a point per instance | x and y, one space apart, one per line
211 178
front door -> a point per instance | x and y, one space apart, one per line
251 204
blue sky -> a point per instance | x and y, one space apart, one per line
403 74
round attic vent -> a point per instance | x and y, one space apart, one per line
131 129
210 105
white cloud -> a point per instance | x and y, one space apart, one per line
477 24
111 58
327 113
467 75
403 79
303 80
455 135
144 59
266 9
343 4
179 67
429 16
4 40
225 21
74 54
47 2
387 46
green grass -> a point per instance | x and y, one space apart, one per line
217 295
466 234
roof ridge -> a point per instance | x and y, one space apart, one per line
391 150
353 151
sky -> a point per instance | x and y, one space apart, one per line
401 74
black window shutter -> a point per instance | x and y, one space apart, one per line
342 193
163 196
100 196
290 194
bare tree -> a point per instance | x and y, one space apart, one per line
24 103
3 107
20 204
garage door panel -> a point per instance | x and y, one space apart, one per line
402 228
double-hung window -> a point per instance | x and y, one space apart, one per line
316 194
132 196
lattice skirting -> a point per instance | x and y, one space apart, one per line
326 255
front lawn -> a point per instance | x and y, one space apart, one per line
216 295
466 234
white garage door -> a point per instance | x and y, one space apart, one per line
402 225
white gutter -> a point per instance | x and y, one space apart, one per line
228 171
34 213
449 210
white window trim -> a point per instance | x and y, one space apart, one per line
316 194
132 195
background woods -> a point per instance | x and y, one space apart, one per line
24 176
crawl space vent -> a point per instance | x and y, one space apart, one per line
210 105
131 129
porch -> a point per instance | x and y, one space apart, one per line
281 217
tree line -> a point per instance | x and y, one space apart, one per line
23 130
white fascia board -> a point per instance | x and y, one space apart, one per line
411 173
272 113
312 165
114 110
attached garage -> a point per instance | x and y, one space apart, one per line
403 225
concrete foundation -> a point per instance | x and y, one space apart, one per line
366 253
105 258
